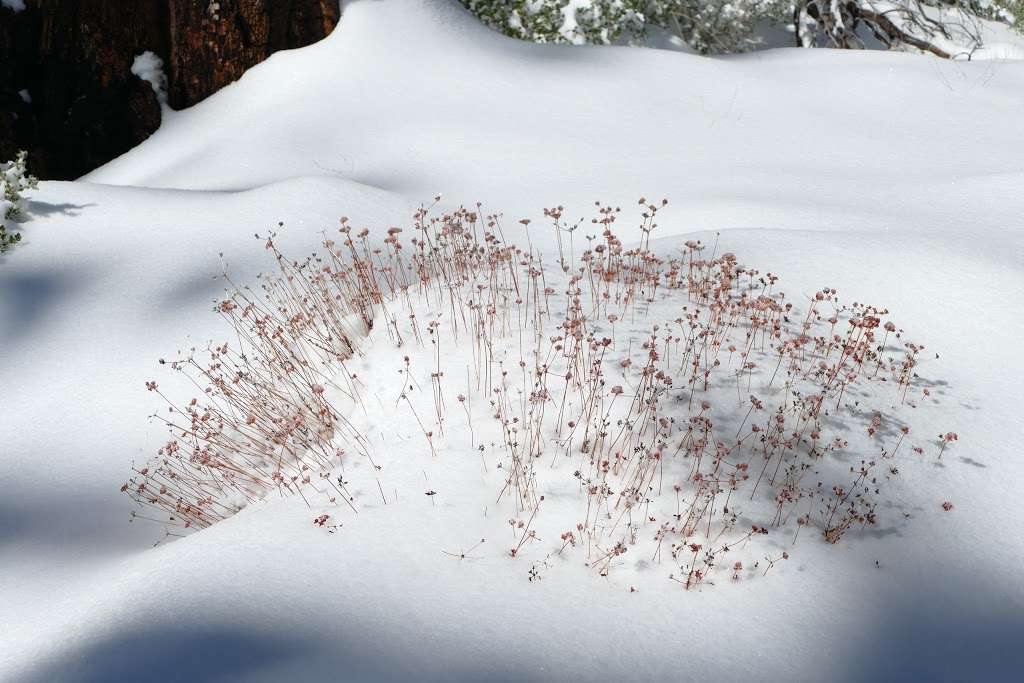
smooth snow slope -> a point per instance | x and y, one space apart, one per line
418 98
897 179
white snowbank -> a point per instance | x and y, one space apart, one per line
895 179
884 141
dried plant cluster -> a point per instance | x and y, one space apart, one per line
685 403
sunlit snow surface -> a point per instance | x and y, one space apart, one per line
895 178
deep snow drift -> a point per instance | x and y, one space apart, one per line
895 178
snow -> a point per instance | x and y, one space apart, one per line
999 41
150 68
893 177
868 164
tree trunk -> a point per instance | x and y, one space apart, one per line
73 60
213 44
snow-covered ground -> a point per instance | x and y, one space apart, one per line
898 179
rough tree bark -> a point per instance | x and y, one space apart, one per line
73 59
212 44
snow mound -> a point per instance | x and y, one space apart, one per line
892 177
789 138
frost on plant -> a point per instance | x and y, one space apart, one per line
947 28
1008 11
540 21
709 26
15 179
